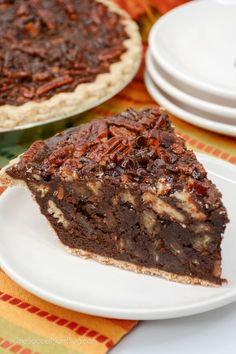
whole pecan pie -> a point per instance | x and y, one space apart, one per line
58 56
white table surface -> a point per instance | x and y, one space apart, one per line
208 333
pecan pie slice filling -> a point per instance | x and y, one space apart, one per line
126 191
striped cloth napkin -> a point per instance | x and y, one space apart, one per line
30 325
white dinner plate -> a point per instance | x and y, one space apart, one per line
195 43
191 117
217 112
32 256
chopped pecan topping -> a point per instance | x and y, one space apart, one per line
33 152
121 131
99 131
45 15
167 139
61 81
122 146
199 187
121 121
69 8
57 157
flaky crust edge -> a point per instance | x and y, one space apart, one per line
139 269
6 180
84 95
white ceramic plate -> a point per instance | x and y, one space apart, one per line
196 44
224 113
172 106
32 256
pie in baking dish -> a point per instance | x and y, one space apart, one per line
58 56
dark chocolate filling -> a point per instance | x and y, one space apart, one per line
119 232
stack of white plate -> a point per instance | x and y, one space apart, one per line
191 64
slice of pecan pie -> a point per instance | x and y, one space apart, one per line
126 191
59 56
